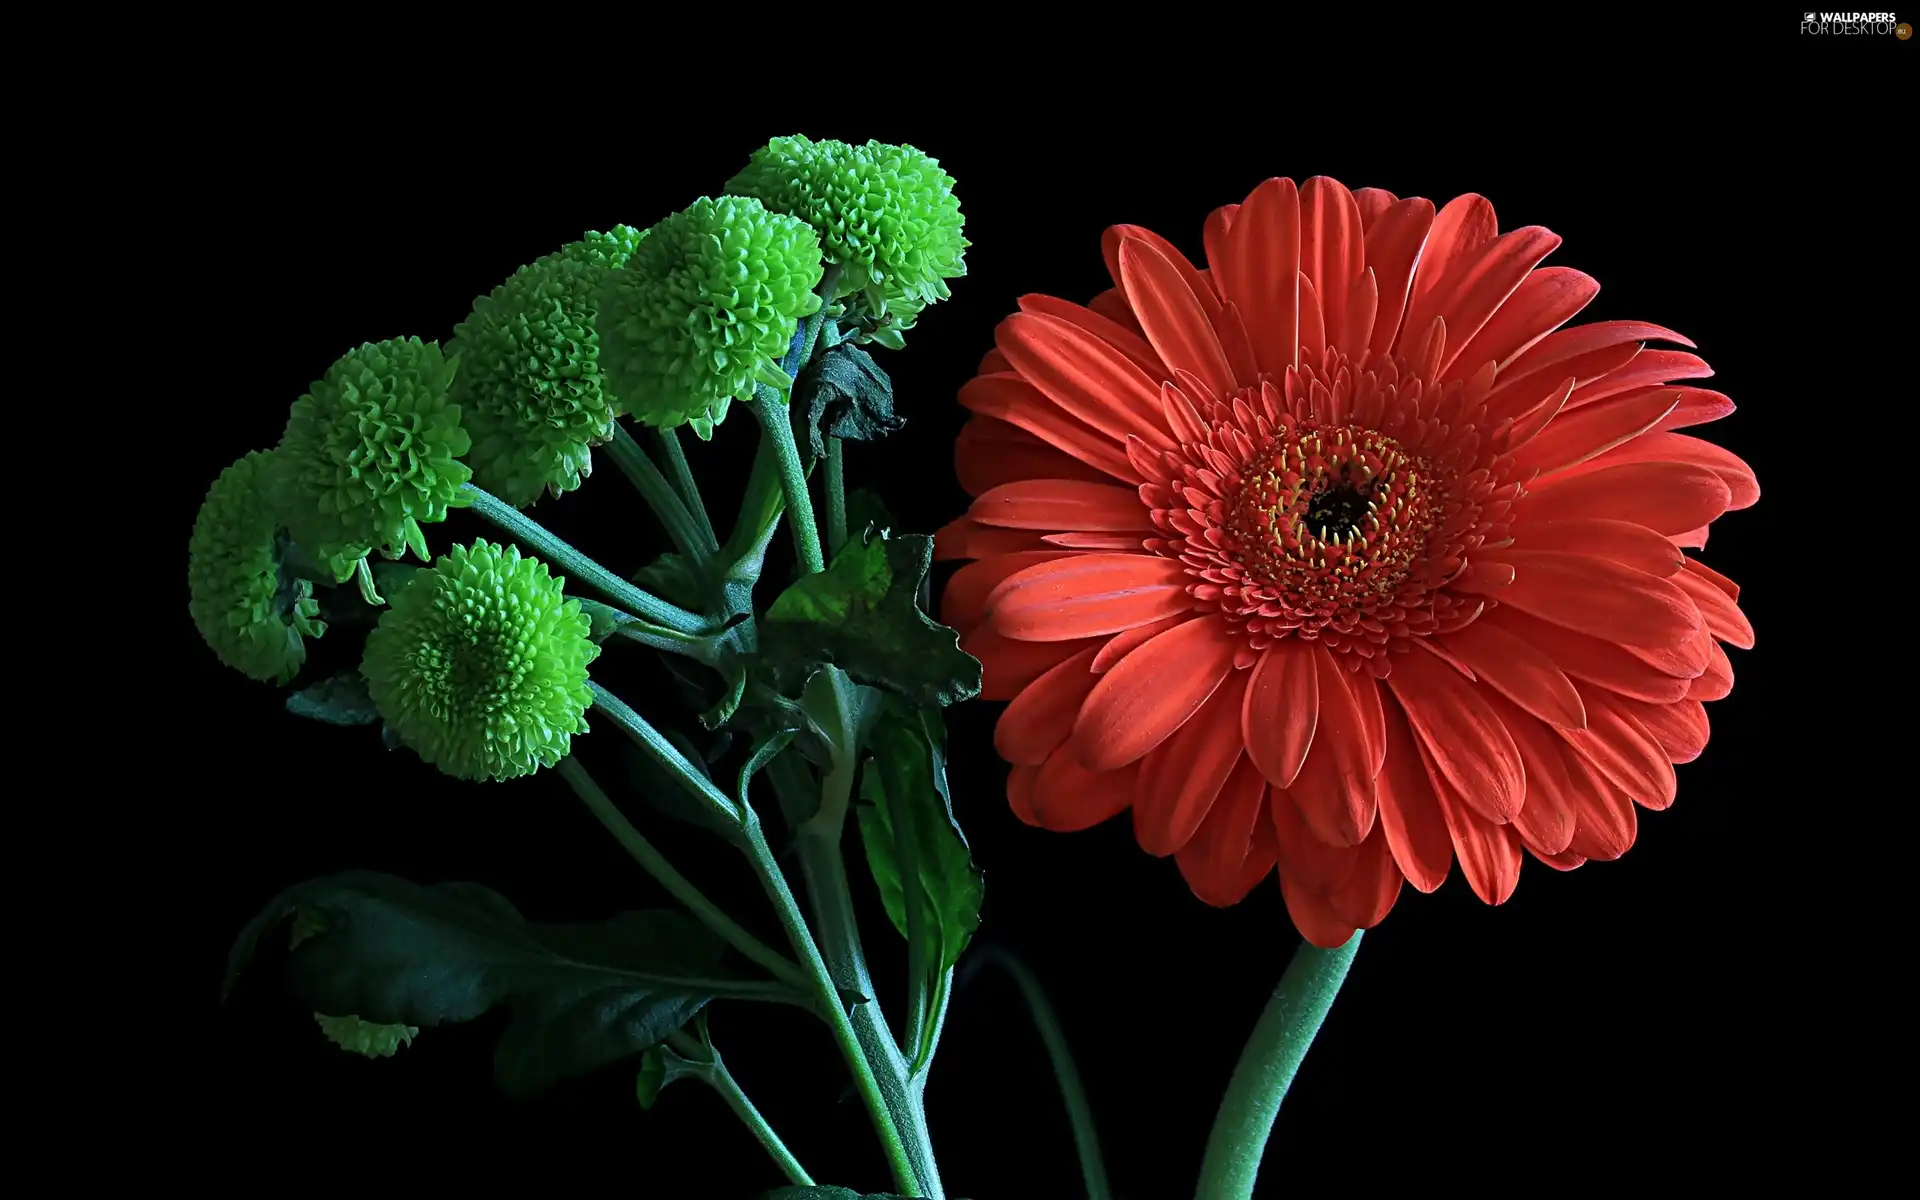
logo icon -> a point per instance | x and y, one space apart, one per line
1903 31
1808 18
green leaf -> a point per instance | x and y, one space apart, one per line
825 1192
847 396
581 995
762 755
341 700
915 848
364 1037
662 791
392 577
660 1066
673 579
605 618
863 614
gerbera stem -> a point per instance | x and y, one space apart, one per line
678 886
1273 1054
836 498
578 566
666 503
1086 1139
713 1072
683 481
777 426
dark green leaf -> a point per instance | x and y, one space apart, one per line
393 577
863 614
762 755
605 618
824 1192
341 700
366 1038
654 784
845 395
660 1066
918 855
581 996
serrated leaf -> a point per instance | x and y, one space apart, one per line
364 1037
661 1066
847 396
919 857
863 614
581 995
341 700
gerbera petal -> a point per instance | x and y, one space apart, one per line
1176 324
1565 345
1304 857
963 603
1012 399
1313 325
1333 249
1372 887
1212 859
1682 729
1085 376
1314 917
1410 817
1127 641
1604 821
1281 710
1260 272
1140 702
1054 504
1008 665
1545 819
1363 305
1519 670
1600 597
1623 542
1067 797
1372 203
1462 735
1118 235
1394 243
1593 659
1041 717
1698 406
1087 595
1666 497
1214 235
1020 782
1545 300
1624 750
1647 368
1743 487
1489 854
964 537
1481 284
1112 304
1565 861
990 452
1181 778
1722 615
1717 682
1462 226
1336 788
1121 338
1575 437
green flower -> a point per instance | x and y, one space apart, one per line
370 453
530 388
251 612
886 214
480 665
705 308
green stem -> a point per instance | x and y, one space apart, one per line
579 567
836 498
1086 1139
666 640
665 753
667 504
777 426
677 885
683 480
713 1071
1266 1069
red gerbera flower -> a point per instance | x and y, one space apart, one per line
1342 554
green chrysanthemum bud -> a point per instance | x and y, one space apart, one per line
885 214
252 613
705 308
481 664
530 388
364 1037
370 453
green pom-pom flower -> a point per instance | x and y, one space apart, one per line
481 664
885 214
364 1037
705 308
530 388
252 613
371 453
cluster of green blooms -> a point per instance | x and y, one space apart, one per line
480 665
886 215
248 607
530 388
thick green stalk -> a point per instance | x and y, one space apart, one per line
1086 1138
660 496
776 425
579 567
1266 1069
683 480
712 1070
836 498
677 885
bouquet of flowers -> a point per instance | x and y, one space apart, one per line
1339 560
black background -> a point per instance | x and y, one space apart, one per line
1686 1009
